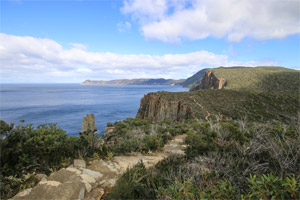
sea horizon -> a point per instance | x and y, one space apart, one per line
67 103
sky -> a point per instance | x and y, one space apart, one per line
69 41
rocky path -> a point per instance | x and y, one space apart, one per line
90 182
208 113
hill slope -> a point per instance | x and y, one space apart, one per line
195 79
206 104
260 79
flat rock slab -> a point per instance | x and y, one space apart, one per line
78 163
66 191
94 174
107 168
63 176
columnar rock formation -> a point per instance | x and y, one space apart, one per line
156 108
210 81
88 124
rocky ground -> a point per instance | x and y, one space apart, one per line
90 182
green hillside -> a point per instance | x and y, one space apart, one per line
260 107
195 79
261 79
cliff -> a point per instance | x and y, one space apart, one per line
227 104
210 81
156 108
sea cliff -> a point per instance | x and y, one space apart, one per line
156 108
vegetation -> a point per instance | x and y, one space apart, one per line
261 79
244 144
224 160
26 150
230 104
195 79
140 135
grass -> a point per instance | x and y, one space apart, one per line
224 160
261 79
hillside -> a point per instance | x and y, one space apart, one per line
260 79
195 79
159 81
206 104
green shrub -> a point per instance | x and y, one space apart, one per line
133 185
151 143
267 186
25 149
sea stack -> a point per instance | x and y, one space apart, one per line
88 124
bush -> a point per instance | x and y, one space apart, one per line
267 186
133 185
25 149
151 143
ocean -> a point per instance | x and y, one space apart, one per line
67 104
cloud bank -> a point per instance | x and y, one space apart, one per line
173 20
29 59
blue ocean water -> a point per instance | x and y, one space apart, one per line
67 104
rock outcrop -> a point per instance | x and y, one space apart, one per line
88 124
210 81
109 130
156 108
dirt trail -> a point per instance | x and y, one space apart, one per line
92 181
208 113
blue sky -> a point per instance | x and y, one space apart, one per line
70 41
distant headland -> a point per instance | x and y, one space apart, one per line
159 81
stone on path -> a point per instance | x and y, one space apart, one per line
79 163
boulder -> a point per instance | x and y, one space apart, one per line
79 163
64 176
88 124
23 193
109 130
94 174
41 177
64 191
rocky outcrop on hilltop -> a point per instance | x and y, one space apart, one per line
88 124
210 81
156 108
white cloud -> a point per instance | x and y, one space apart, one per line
172 20
29 59
123 26
79 46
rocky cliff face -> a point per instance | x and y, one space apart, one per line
210 81
156 108
88 124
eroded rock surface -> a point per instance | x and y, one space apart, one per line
156 108
88 124
210 81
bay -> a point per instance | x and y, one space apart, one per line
67 104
